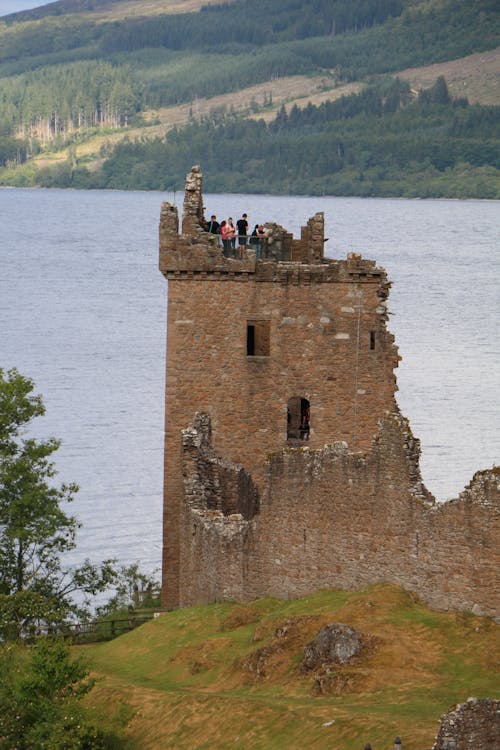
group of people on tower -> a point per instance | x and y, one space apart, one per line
228 234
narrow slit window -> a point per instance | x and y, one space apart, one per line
250 340
372 339
258 338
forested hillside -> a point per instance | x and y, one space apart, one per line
379 142
65 76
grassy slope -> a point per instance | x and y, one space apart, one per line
219 677
116 10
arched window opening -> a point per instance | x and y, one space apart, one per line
298 418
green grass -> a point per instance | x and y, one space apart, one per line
185 675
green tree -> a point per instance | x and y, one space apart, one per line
437 94
40 701
35 587
133 590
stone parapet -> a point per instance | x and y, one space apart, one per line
204 263
287 260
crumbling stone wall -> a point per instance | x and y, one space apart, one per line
473 725
212 483
220 501
192 214
334 519
313 238
250 512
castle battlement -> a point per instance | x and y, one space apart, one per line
284 260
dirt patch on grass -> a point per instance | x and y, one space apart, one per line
239 616
201 657
281 660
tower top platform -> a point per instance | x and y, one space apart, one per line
283 258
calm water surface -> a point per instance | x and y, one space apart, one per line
83 313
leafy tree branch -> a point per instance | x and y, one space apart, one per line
35 532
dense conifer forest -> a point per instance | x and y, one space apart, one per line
67 74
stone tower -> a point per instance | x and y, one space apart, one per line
285 351
288 467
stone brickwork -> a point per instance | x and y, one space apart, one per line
253 504
473 725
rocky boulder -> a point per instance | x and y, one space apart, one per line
335 643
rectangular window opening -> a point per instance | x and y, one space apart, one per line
372 339
258 338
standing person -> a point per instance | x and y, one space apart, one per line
242 225
262 235
254 240
231 234
226 242
213 225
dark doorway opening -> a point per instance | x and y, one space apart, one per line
298 418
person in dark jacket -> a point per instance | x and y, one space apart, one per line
242 225
213 225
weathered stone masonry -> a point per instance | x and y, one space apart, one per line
252 509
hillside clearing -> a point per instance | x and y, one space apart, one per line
476 76
142 8
298 90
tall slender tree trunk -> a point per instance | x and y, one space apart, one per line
20 567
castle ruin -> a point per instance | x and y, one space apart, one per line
288 466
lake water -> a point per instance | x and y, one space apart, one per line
83 313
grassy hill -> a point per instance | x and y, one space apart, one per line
228 675
110 10
77 77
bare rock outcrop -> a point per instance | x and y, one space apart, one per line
335 644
